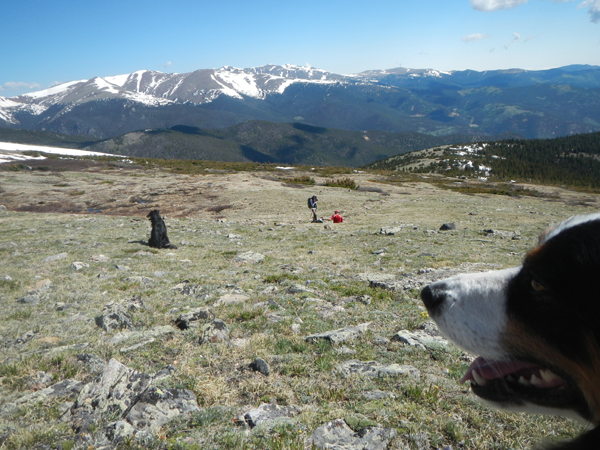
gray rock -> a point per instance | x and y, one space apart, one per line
77 265
340 335
122 403
378 395
113 317
419 338
375 370
157 406
54 258
37 293
240 342
266 413
156 332
260 365
298 289
213 332
514 235
380 340
66 389
119 431
448 226
337 435
110 395
249 257
390 231
137 278
136 346
192 318
94 363
187 288
344 350
33 298
231 299
135 303
375 277
99 258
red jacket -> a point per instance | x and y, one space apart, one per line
337 218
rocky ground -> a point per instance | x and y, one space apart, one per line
261 330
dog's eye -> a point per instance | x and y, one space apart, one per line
537 286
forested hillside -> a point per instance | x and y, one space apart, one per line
570 161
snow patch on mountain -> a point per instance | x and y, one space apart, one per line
11 152
55 90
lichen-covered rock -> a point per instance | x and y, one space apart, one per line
213 332
113 317
390 231
231 299
122 403
252 257
269 412
340 335
67 389
374 369
337 435
192 318
157 406
419 338
108 397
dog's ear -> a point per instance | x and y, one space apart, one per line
544 234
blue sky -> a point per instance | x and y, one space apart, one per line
43 42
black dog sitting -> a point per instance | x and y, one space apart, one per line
158 235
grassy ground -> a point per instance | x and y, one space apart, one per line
270 217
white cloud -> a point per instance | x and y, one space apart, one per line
516 37
593 9
593 6
495 5
18 85
475 37
168 64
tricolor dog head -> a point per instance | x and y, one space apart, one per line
536 327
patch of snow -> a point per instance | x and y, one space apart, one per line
241 82
53 90
226 89
118 80
7 103
105 86
6 147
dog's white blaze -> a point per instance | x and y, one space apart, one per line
474 311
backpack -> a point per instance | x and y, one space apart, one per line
310 203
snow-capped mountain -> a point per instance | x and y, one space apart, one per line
530 103
157 88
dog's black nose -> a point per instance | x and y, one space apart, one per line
432 296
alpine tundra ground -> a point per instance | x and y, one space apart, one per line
313 278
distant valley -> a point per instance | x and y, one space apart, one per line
256 141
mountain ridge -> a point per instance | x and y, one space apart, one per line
529 103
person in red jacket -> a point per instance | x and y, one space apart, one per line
337 218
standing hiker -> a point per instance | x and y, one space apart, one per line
312 204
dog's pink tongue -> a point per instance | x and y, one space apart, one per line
491 370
